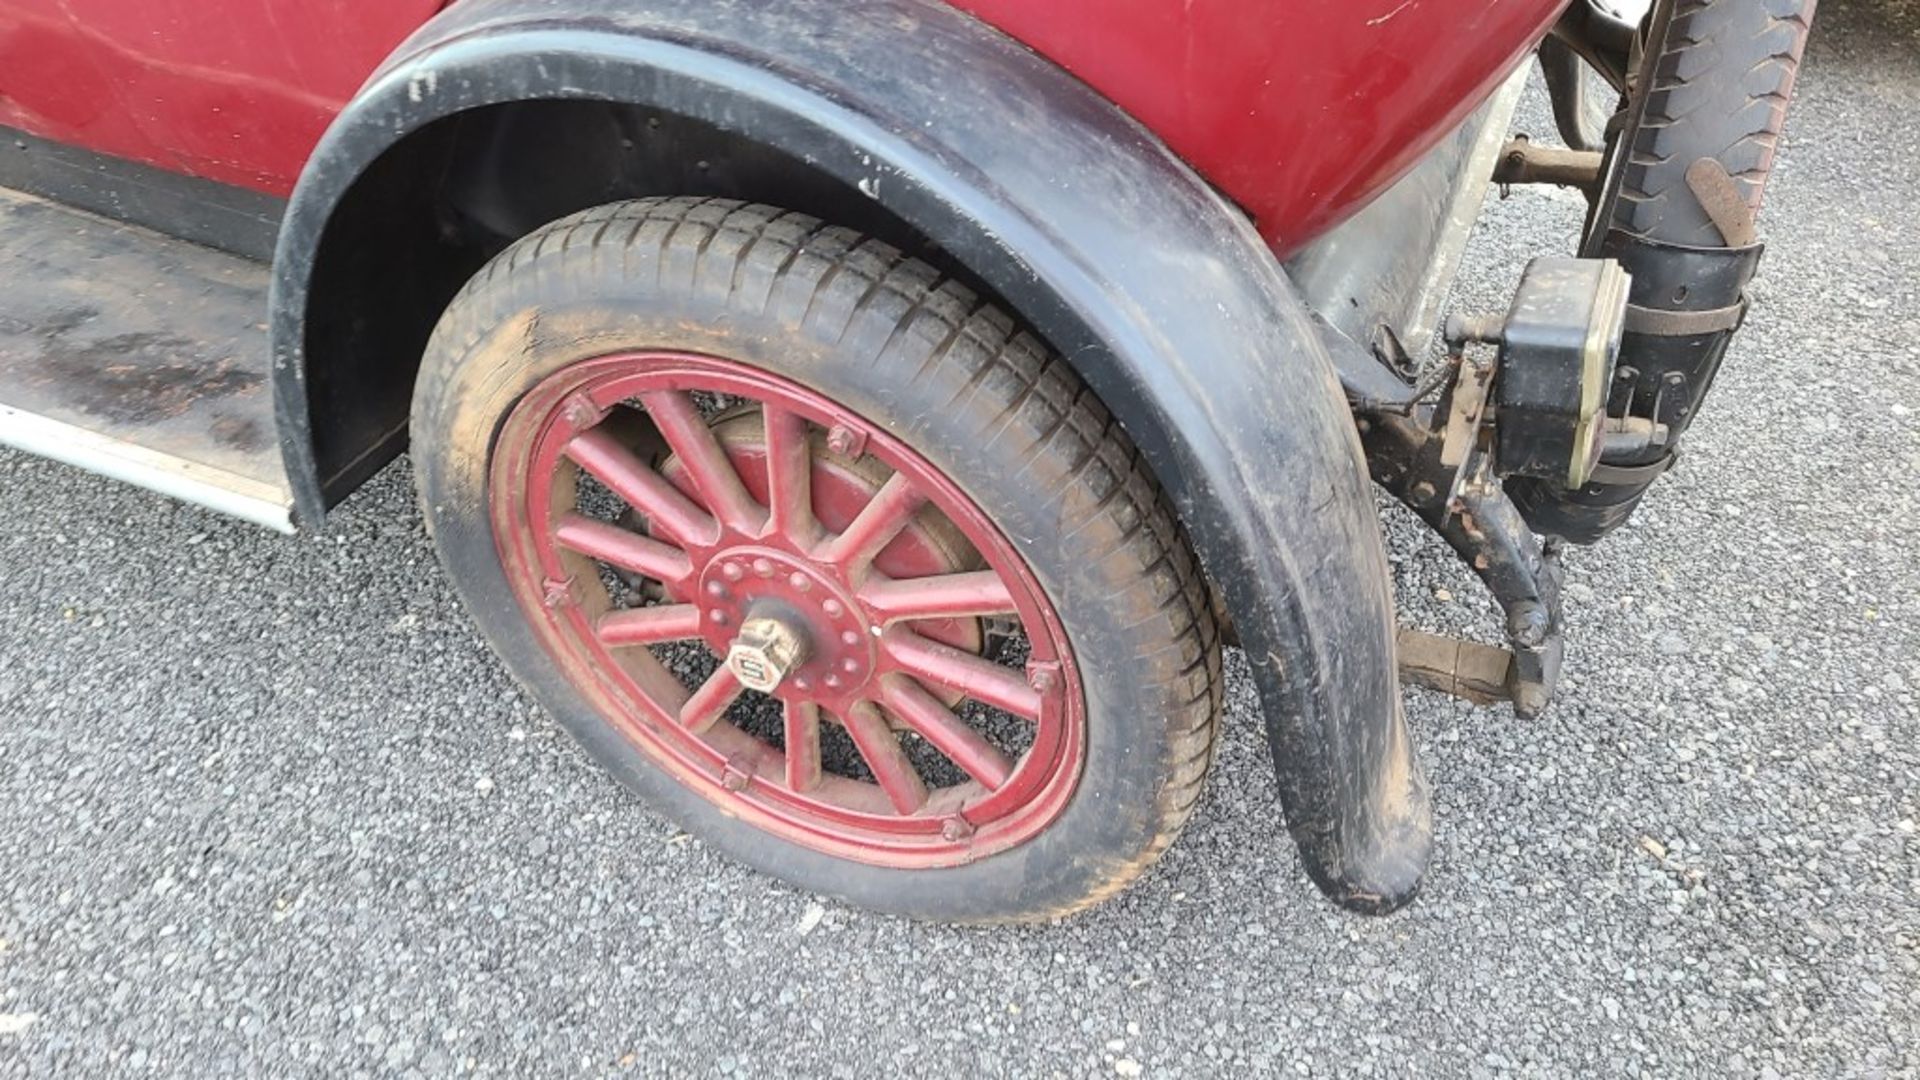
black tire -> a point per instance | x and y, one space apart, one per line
892 340
1717 87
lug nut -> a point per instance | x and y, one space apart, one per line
842 440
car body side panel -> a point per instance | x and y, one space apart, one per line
1299 110
236 91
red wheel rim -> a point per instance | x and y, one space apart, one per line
820 561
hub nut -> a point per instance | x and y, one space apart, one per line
765 650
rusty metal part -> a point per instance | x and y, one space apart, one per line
1469 508
1482 674
1523 162
1632 434
1723 201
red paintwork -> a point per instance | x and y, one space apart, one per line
237 91
798 510
1300 110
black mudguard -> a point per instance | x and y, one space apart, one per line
1160 293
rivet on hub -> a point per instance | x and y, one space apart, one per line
763 568
732 571
833 608
717 590
850 637
800 582
719 617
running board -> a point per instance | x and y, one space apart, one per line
140 357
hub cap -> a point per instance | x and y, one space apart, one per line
786 609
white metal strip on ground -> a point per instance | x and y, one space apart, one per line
216 489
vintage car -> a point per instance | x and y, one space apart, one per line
863 423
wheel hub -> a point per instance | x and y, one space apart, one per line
786 623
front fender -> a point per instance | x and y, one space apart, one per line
1158 291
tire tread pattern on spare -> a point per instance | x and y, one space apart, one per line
1720 89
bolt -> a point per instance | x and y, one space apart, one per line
1423 491
559 592
763 567
833 608
955 829
800 582
717 590
849 637
833 681
1528 626
732 571
718 617
850 665
801 682
1043 677
733 779
843 440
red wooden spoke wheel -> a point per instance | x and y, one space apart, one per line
792 533
824 565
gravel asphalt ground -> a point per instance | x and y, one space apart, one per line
268 807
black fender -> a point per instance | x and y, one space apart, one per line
1157 289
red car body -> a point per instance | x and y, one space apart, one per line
1299 111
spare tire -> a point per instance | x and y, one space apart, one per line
1709 99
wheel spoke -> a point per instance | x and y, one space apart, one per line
948 733
602 456
882 519
946 596
649 625
944 665
803 745
705 460
881 750
626 550
789 473
709 703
